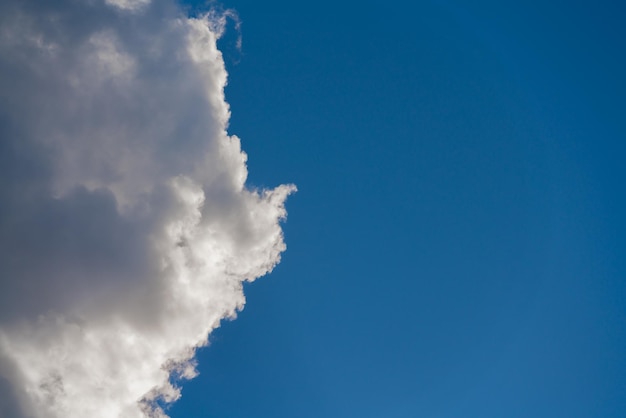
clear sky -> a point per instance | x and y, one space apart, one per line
456 246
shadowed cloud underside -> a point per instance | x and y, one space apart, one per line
126 228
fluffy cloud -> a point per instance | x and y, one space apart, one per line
126 228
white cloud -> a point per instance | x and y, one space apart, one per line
128 5
126 229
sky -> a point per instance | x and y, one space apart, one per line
454 248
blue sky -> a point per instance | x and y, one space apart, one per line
456 245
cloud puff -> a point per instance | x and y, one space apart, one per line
126 228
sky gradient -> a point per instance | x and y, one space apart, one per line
454 249
456 245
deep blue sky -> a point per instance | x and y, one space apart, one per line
456 247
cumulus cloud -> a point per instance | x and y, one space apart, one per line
126 228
